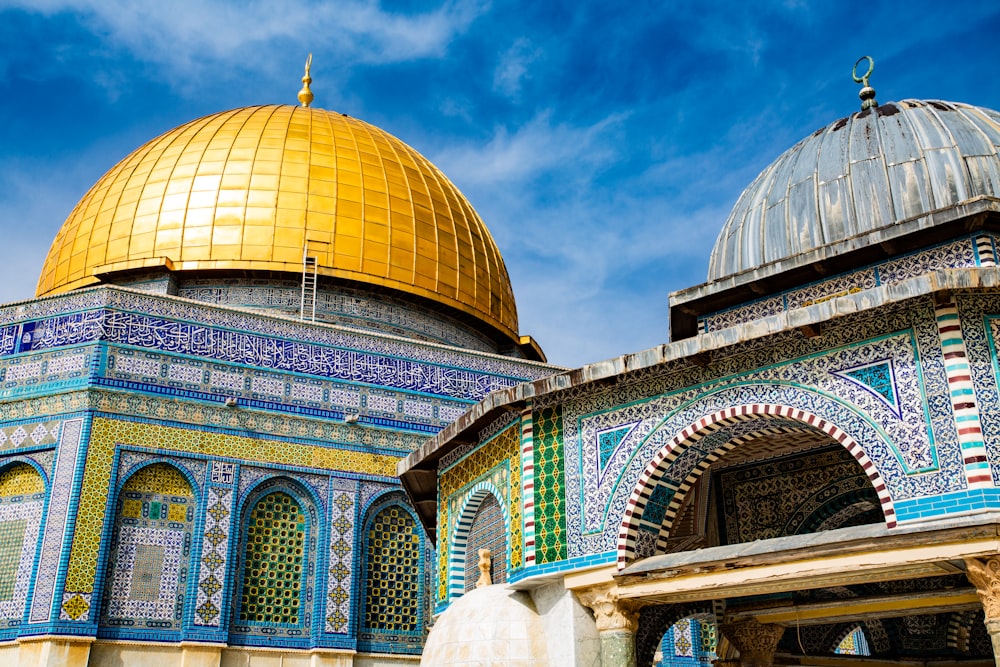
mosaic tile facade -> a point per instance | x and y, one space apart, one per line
343 306
550 486
214 553
776 498
151 553
106 433
340 565
22 498
918 457
274 562
394 594
58 529
491 469
963 253
277 570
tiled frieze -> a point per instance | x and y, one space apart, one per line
46 371
279 391
106 433
179 326
963 253
346 307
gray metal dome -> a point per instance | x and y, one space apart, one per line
848 182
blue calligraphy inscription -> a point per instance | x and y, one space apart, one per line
253 350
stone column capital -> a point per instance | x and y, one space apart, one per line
610 611
755 641
985 576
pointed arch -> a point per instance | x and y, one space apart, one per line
395 601
474 499
150 558
275 573
650 477
22 500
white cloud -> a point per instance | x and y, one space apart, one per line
185 34
514 66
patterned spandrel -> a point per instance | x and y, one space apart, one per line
274 562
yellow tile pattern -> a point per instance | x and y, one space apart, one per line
159 478
20 480
503 448
105 433
249 188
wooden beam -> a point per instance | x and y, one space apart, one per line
860 609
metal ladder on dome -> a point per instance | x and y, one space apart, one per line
307 307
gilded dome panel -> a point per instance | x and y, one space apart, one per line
251 188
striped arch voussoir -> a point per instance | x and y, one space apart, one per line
707 425
474 497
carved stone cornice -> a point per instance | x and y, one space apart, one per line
985 576
755 641
610 611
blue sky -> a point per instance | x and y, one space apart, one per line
603 143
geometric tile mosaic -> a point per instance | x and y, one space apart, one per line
393 575
54 538
214 555
550 486
151 550
22 498
107 433
272 591
340 564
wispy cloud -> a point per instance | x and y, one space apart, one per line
514 65
186 34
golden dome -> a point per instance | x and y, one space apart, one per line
248 189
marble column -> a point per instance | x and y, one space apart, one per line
755 641
617 621
985 576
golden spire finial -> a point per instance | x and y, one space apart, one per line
867 93
306 95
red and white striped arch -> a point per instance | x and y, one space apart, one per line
715 421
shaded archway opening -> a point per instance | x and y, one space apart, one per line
663 493
463 548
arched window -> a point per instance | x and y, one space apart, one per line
394 590
22 497
151 549
276 572
487 532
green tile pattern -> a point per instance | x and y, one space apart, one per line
550 486
275 559
392 577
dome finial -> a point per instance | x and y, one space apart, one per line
867 93
306 95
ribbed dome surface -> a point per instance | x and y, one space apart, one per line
859 175
249 189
